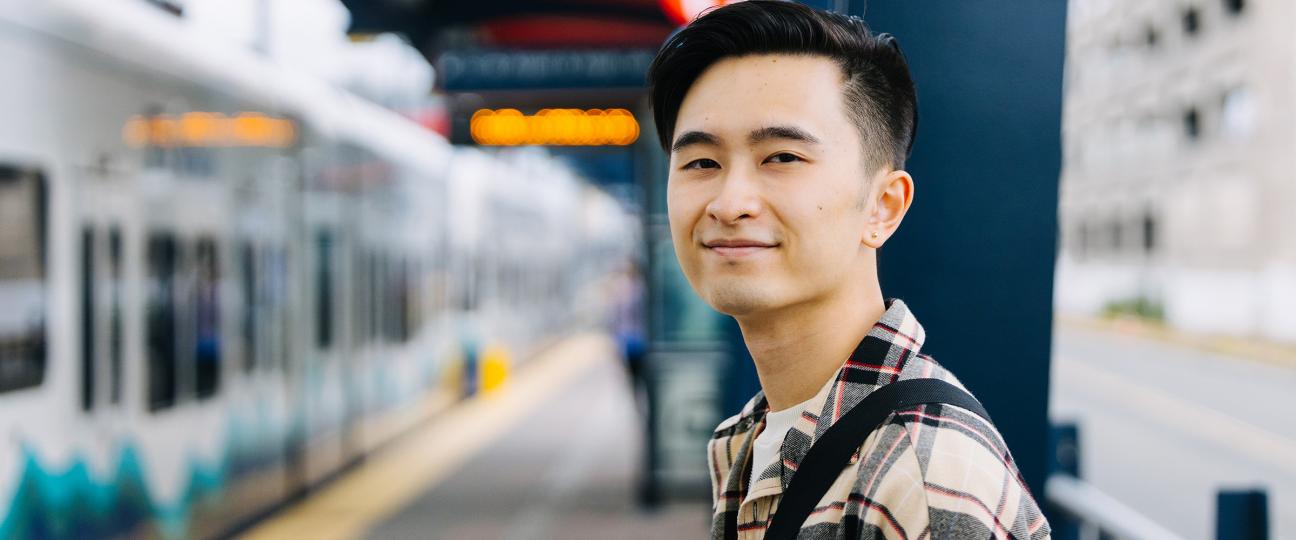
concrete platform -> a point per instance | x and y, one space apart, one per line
554 454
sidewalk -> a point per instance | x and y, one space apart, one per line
1253 349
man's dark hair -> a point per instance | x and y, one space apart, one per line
878 90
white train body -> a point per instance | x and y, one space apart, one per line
193 333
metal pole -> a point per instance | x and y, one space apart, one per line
1242 515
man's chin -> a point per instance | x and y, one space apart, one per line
740 301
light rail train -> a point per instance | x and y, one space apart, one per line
220 283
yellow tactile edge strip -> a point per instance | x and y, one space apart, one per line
393 477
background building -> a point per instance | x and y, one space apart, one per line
1180 141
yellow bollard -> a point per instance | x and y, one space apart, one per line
494 368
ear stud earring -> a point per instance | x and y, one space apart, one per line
874 235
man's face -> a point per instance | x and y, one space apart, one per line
766 191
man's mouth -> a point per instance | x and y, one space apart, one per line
737 247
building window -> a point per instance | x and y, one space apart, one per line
1191 21
1151 37
23 270
1149 232
1192 123
1238 112
1234 7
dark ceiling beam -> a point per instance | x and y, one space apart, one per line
427 16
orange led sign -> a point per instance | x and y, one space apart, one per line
554 127
205 129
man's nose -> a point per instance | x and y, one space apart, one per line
738 199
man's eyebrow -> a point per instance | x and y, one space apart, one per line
690 138
781 132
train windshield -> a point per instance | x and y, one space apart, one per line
22 278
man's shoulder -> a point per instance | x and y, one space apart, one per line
922 366
957 432
968 473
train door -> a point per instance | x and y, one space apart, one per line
348 299
284 271
321 372
104 221
183 231
259 326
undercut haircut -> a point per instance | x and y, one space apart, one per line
877 89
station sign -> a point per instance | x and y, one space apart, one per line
463 71
554 127
208 130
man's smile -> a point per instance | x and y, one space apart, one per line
737 247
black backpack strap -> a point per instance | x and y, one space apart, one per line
832 451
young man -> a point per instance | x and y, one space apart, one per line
788 129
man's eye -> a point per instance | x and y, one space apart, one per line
702 164
783 157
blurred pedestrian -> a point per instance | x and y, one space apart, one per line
627 325
788 129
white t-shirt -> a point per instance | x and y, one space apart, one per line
767 445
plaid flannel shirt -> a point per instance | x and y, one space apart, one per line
930 471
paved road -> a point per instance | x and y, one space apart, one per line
566 471
1164 427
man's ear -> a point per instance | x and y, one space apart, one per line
892 193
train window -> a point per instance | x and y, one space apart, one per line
248 290
277 301
206 305
359 298
383 306
115 337
323 289
23 207
417 296
400 299
409 299
271 296
394 307
376 319
163 256
88 348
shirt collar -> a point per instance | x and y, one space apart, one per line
879 359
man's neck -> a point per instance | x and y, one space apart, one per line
798 349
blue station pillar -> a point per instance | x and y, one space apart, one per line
974 258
